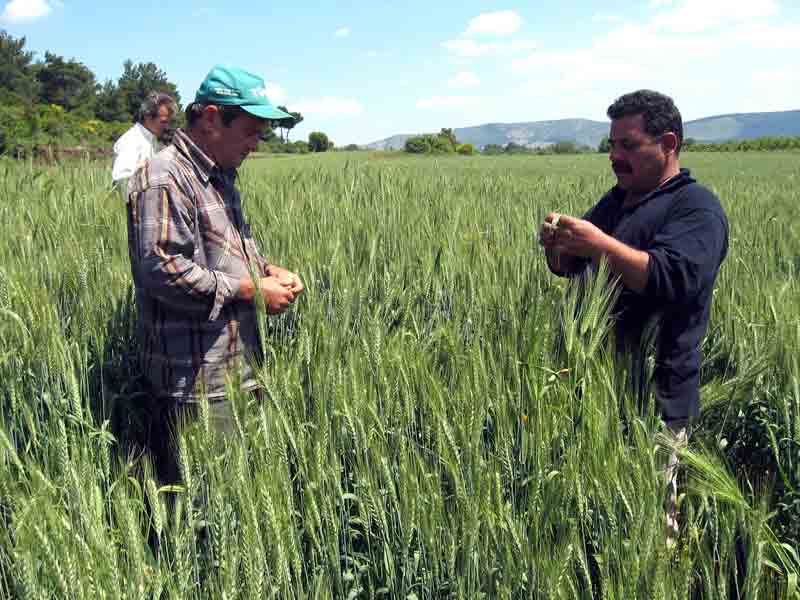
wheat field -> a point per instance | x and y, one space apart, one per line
441 418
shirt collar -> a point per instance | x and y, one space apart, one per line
204 166
683 177
148 135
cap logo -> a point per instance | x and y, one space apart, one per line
259 91
225 91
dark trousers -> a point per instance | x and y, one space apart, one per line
167 419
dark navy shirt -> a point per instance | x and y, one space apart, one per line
683 228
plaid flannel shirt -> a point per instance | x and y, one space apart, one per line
189 247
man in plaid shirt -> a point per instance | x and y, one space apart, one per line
192 255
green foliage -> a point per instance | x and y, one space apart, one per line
56 105
419 144
429 144
319 142
69 84
439 419
444 142
276 146
762 144
465 149
140 79
565 147
286 125
604 147
18 82
110 105
448 134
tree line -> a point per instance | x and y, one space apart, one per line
445 142
58 103
761 144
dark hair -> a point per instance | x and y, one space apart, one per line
658 111
154 101
228 113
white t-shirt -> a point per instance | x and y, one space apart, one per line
132 150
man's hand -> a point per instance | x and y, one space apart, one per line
576 237
276 295
287 279
560 259
547 232
566 238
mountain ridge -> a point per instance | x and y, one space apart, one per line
716 128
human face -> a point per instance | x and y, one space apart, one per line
156 125
232 143
637 158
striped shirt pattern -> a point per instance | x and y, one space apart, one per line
189 246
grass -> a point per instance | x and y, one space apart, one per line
420 435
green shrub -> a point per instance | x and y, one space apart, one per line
466 149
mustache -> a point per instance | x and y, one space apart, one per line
620 167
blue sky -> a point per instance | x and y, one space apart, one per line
361 71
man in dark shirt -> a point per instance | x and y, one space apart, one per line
663 235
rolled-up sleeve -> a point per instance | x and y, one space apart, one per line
685 254
165 262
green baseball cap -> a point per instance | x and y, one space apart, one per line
230 86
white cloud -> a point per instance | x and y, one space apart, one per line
504 22
372 53
577 68
342 32
329 106
766 37
694 16
743 61
472 49
450 101
660 3
19 11
464 79
276 93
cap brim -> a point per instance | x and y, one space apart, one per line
266 112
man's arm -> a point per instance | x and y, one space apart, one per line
164 230
578 238
686 253
683 257
559 260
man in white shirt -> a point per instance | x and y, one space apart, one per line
140 142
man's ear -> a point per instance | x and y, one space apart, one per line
669 143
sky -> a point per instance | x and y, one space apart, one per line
362 71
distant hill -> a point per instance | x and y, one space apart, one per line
744 126
583 131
